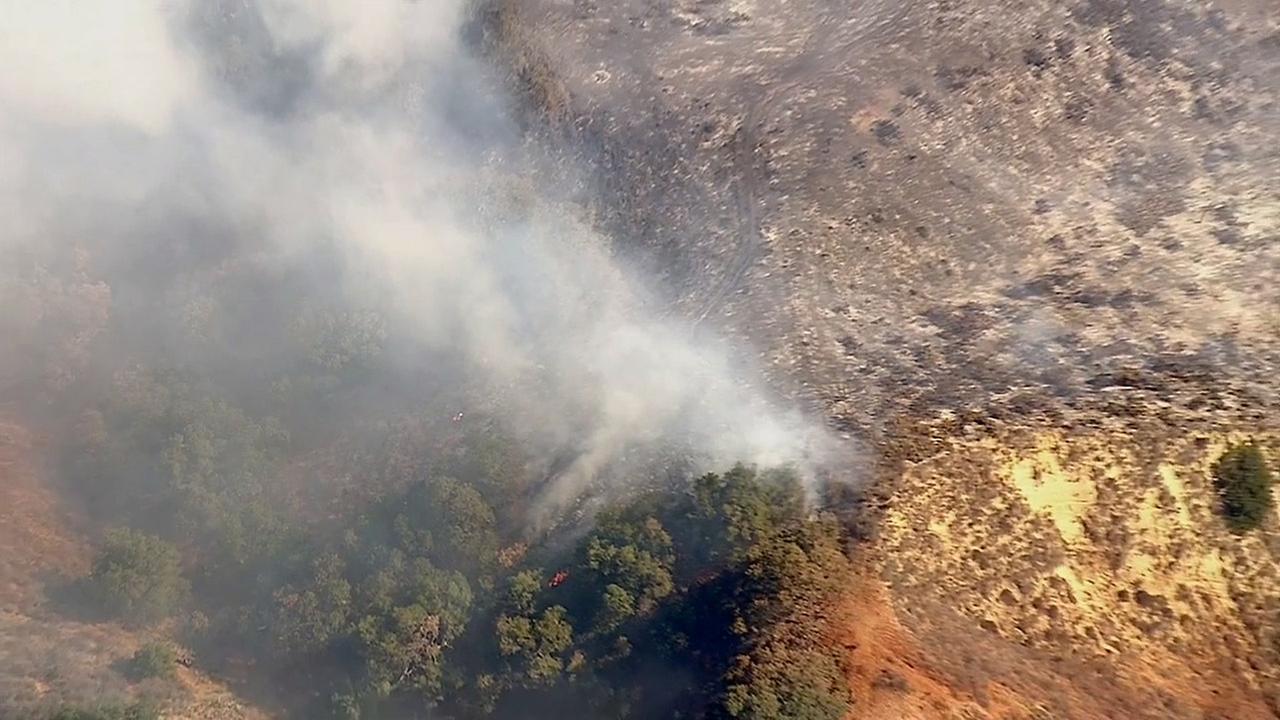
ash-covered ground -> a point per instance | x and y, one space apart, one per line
918 206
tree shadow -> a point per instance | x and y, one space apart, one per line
72 598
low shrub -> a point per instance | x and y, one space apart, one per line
153 660
124 711
1243 483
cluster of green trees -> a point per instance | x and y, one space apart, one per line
411 592
711 601
173 454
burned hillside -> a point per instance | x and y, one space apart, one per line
645 359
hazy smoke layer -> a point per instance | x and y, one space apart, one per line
368 127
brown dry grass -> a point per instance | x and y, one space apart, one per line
33 543
47 659
1087 576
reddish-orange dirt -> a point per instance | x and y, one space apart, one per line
34 543
896 675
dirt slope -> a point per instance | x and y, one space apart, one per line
1089 574
48 657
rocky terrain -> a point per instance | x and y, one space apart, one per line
1029 251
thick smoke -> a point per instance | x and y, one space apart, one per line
368 127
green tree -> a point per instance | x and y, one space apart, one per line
515 635
216 461
346 706
536 645
337 341
171 444
153 660
791 685
522 591
402 649
138 577
633 569
727 514
787 585
635 556
404 646
463 533
616 607
307 619
1243 482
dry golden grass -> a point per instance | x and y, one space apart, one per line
1081 568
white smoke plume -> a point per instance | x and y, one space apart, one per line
369 126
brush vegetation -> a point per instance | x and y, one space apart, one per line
154 660
137 577
1243 482
356 528
108 711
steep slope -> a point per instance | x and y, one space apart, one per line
1028 250
911 204
1085 568
51 659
